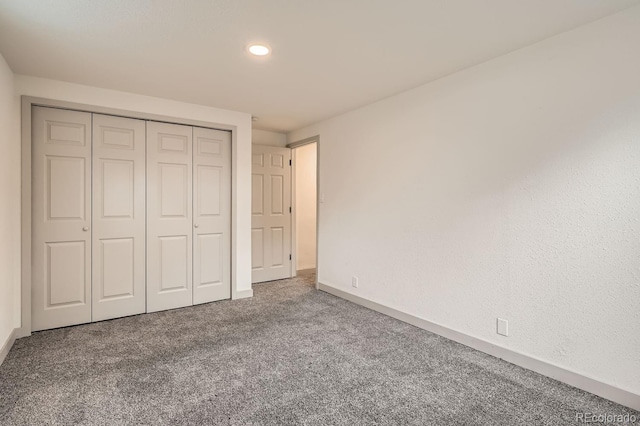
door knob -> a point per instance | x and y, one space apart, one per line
86 228
196 225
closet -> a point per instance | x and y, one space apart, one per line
128 216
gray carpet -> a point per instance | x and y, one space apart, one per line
290 355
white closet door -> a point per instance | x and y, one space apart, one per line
271 215
118 217
61 215
211 215
169 216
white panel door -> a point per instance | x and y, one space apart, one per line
118 217
271 213
61 218
211 215
169 216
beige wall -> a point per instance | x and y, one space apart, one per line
305 187
264 137
9 205
510 189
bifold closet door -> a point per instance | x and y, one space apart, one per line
119 175
61 218
169 216
211 215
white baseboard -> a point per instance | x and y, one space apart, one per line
6 347
580 381
244 294
21 332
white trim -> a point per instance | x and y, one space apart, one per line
25 241
27 102
580 381
7 345
303 142
244 294
317 210
294 215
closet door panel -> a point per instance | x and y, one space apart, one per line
119 217
212 215
61 218
169 216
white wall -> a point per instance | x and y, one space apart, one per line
510 189
9 205
305 187
264 137
241 200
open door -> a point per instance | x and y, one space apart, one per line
271 213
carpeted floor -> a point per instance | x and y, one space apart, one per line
290 355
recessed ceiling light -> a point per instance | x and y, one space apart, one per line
259 49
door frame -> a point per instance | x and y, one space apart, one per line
294 248
27 103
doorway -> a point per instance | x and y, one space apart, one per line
305 206
284 207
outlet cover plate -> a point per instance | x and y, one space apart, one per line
503 327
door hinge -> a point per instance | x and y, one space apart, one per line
289 162
290 210
289 257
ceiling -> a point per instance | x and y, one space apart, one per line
329 56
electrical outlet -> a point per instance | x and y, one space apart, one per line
503 327
354 281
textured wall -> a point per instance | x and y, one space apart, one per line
510 189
